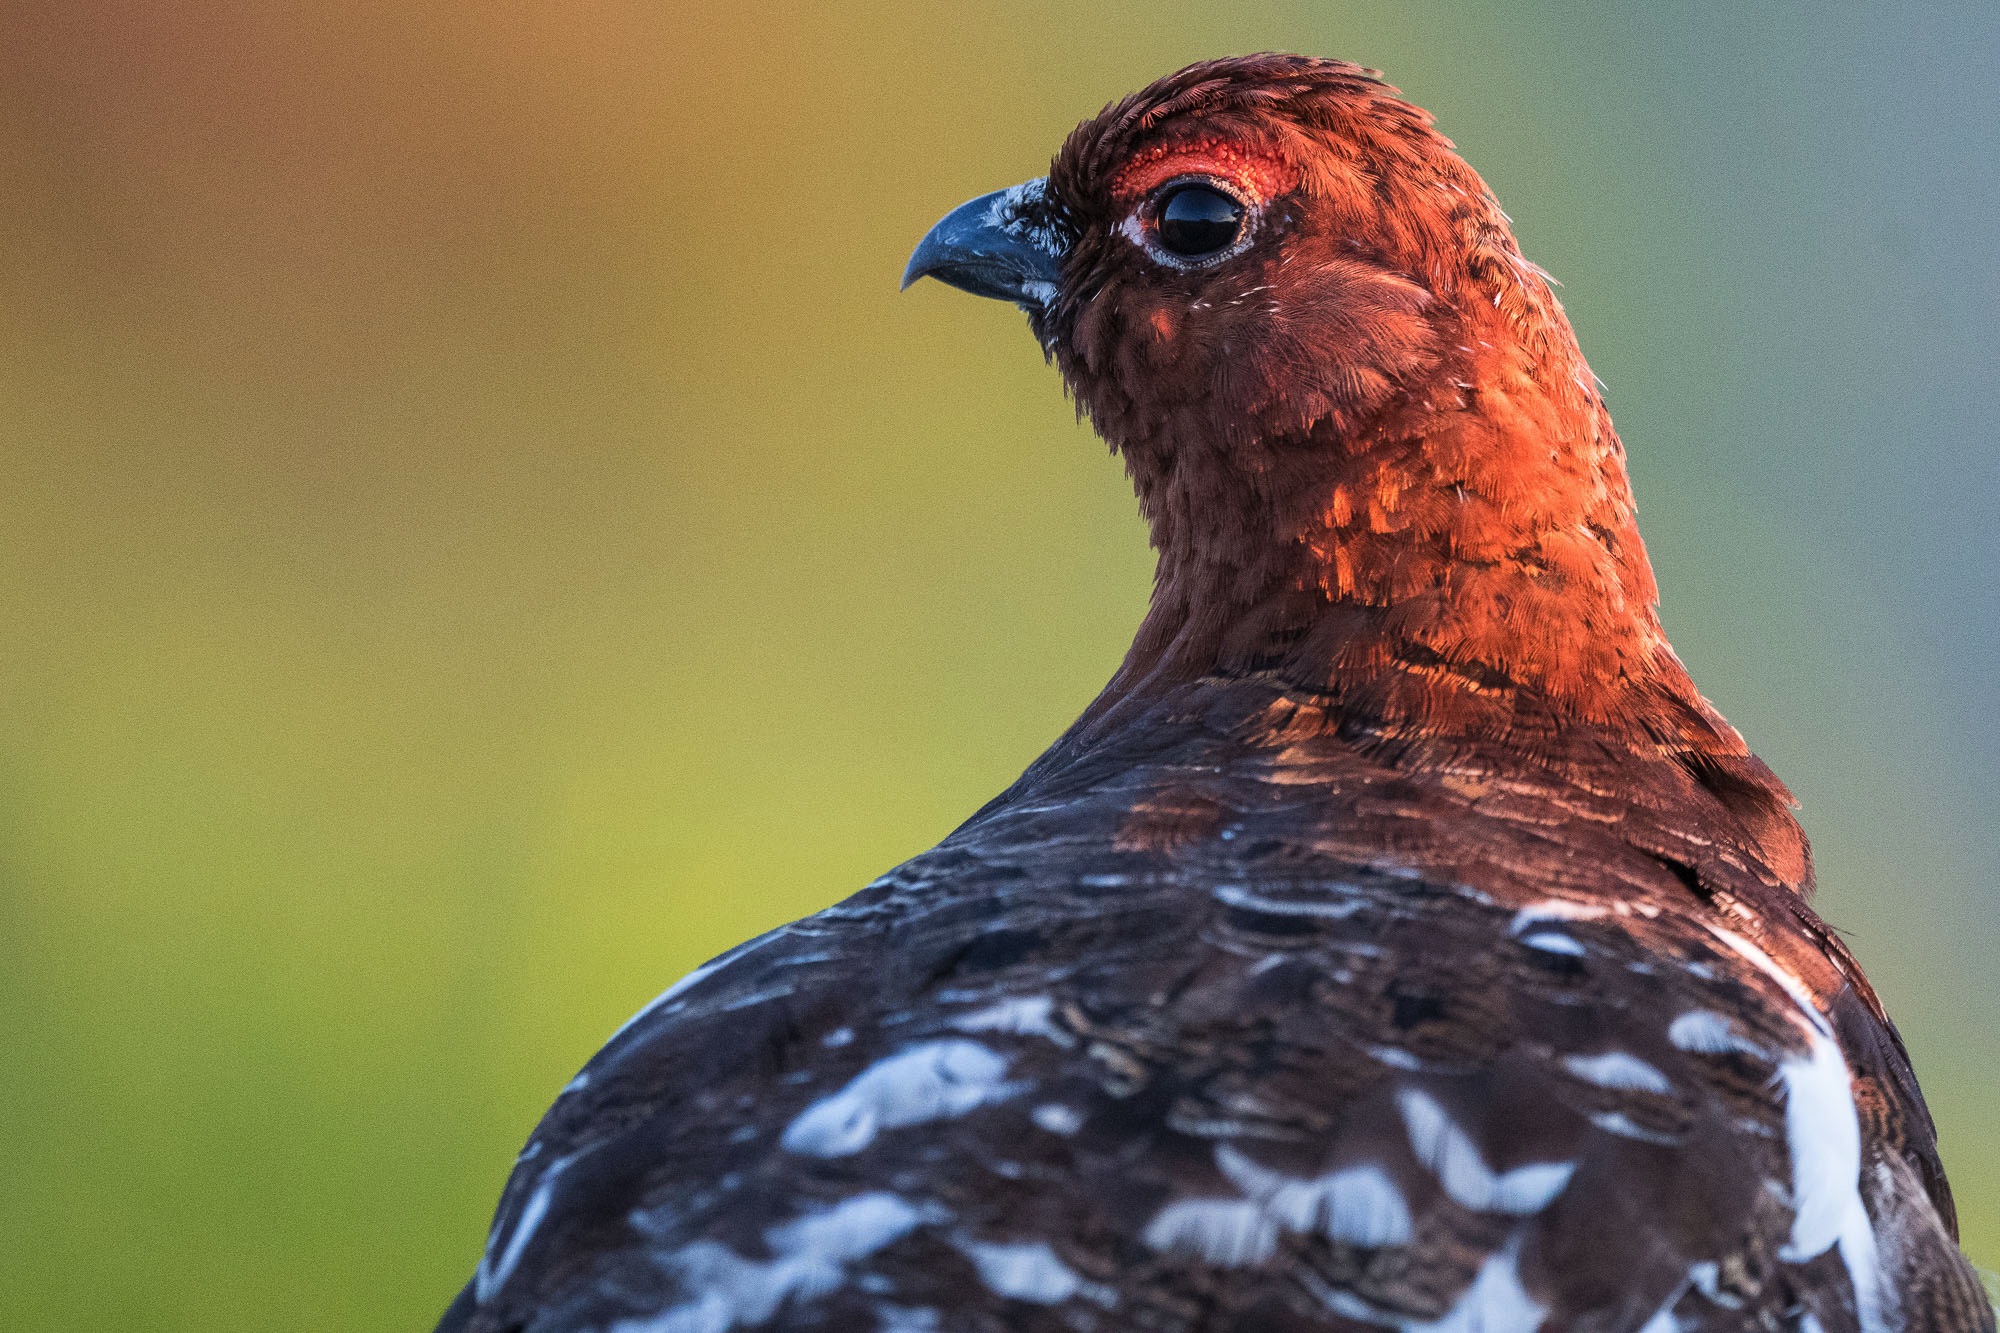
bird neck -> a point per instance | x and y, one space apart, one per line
1468 557
1458 579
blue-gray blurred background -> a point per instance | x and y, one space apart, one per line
480 532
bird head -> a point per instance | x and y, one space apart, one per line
1250 249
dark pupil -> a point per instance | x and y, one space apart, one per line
1196 220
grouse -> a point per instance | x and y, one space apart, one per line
1398 941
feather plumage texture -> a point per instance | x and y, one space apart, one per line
1399 941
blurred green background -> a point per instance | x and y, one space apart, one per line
480 532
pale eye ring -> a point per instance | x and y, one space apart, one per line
1192 222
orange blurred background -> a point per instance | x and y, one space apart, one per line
480 532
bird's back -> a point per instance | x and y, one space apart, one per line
1235 1020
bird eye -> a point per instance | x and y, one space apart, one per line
1198 220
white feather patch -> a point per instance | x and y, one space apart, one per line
1449 1152
1706 1032
1625 1127
1026 1016
1230 1233
933 1080
1823 1134
1618 1071
1337 909
1057 1118
1029 1272
507 1243
810 1257
1496 1302
1555 909
1554 941
1357 1205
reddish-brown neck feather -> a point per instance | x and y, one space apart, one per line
1478 531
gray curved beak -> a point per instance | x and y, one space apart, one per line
993 246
